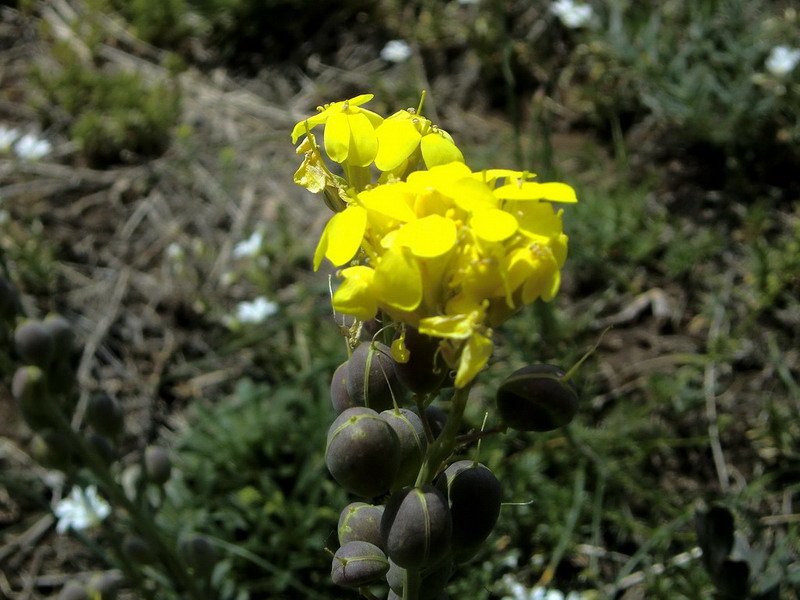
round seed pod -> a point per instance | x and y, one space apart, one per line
29 388
425 369
362 453
33 343
475 495
104 586
436 418
62 334
105 415
360 522
339 397
371 379
157 464
434 578
412 443
73 591
416 526
358 563
536 398
199 554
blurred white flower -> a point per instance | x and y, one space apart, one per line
249 247
8 135
31 147
520 592
782 60
83 508
175 251
572 14
255 311
396 51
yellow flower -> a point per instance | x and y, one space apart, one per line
349 130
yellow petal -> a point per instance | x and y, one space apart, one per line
359 100
344 232
355 296
532 190
363 141
428 237
469 194
397 139
391 199
474 357
493 224
438 150
398 281
454 327
337 137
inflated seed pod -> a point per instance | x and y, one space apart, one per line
434 578
358 563
362 453
62 334
475 495
425 369
412 443
157 464
105 415
33 343
73 591
371 379
339 397
360 522
436 418
29 389
536 398
198 553
416 526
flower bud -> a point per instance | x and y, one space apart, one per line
358 563
412 443
537 398
371 379
157 464
360 522
33 343
105 415
362 452
416 526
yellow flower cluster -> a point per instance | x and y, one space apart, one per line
431 243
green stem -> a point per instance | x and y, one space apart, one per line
446 442
411 581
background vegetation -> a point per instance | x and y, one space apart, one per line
168 123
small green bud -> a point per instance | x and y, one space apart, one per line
105 415
34 343
157 464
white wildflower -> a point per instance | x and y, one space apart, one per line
572 14
83 508
8 135
31 147
249 247
782 60
396 51
255 311
175 251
